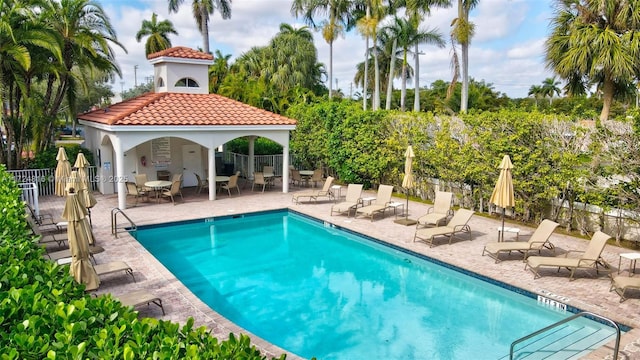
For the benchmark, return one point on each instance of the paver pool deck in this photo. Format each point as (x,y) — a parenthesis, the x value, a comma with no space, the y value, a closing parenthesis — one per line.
(589,292)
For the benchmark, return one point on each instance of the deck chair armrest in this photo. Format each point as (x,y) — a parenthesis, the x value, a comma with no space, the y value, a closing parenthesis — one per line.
(538,243)
(464,227)
(430,210)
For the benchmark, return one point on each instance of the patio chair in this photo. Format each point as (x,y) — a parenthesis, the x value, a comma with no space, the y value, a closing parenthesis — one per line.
(57,236)
(315,194)
(268,170)
(66,253)
(459,223)
(136,193)
(141,179)
(439,212)
(379,205)
(45,221)
(317,177)
(173,192)
(590,259)
(113,267)
(232,183)
(177,177)
(140,297)
(539,240)
(351,200)
(621,283)
(296,178)
(258,179)
(202,184)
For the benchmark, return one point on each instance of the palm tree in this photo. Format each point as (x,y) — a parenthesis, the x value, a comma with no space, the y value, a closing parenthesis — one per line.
(340,19)
(536,92)
(407,35)
(595,41)
(202,9)
(549,88)
(218,71)
(416,10)
(462,31)
(85,34)
(158,33)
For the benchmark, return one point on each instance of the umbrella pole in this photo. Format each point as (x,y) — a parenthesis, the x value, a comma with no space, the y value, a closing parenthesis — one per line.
(501,236)
(406,221)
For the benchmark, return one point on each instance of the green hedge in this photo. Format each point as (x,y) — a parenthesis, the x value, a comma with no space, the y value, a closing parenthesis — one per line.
(44,313)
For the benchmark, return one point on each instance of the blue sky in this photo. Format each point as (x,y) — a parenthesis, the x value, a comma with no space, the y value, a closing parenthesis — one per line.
(506,51)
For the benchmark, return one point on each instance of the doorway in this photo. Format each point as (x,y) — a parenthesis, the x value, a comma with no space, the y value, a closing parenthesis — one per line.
(191,163)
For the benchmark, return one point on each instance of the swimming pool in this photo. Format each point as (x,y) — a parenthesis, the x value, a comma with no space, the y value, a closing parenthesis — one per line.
(316,290)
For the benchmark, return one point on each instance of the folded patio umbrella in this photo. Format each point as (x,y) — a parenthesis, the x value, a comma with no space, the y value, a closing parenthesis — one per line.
(85,187)
(407,183)
(63,170)
(78,229)
(502,195)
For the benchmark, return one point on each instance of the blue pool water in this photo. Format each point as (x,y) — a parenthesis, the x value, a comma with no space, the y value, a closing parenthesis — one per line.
(316,290)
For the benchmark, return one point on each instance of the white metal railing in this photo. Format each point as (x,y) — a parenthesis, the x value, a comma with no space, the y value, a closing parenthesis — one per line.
(30,196)
(241,162)
(45,179)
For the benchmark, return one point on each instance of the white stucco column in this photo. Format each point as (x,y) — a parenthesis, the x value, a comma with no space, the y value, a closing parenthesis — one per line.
(252,140)
(285,169)
(211,172)
(121,186)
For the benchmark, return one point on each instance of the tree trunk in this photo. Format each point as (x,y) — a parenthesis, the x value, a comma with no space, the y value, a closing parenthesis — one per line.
(205,32)
(392,69)
(416,80)
(330,69)
(376,86)
(464,96)
(403,89)
(366,73)
(607,99)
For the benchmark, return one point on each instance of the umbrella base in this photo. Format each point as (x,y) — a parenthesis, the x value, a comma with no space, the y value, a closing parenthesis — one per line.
(405,221)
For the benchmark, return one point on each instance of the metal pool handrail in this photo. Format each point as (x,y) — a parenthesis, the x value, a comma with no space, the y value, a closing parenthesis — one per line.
(114,221)
(570,318)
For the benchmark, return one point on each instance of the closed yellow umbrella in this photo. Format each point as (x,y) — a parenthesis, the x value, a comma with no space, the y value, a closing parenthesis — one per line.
(63,169)
(502,195)
(85,188)
(77,229)
(73,184)
(407,183)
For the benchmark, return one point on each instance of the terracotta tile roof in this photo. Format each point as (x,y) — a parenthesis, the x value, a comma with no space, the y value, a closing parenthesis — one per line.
(183,109)
(182,53)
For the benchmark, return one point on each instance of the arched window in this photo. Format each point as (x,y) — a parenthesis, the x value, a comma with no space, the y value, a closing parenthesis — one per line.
(187,82)
(160,82)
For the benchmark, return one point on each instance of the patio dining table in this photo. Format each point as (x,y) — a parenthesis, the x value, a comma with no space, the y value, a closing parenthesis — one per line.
(157,186)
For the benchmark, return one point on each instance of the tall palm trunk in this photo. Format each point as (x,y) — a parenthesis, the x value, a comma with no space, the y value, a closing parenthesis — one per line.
(330,69)
(416,77)
(392,69)
(608,90)
(376,86)
(205,32)
(366,73)
(403,89)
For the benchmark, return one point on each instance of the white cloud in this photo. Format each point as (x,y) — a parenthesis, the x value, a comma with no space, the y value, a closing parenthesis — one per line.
(502,51)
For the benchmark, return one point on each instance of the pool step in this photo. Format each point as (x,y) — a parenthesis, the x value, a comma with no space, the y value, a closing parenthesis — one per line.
(565,342)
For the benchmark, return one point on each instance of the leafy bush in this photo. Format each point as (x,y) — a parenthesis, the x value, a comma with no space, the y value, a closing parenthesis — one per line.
(44,313)
(261,146)
(47,158)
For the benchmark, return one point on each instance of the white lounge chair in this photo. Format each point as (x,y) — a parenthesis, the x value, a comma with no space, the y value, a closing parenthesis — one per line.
(439,212)
(352,199)
(458,223)
(538,241)
(315,194)
(379,205)
(590,258)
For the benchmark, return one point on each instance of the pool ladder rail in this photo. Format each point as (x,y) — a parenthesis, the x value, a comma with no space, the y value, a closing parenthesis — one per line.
(114,222)
(546,349)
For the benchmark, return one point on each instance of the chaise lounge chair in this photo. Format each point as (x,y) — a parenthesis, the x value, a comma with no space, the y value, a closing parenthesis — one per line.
(140,297)
(112,267)
(63,254)
(315,194)
(380,204)
(439,212)
(590,259)
(351,200)
(55,236)
(458,223)
(621,283)
(538,240)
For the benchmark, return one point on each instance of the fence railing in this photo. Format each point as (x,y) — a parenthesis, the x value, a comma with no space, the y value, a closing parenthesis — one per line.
(45,179)
(241,162)
(30,196)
